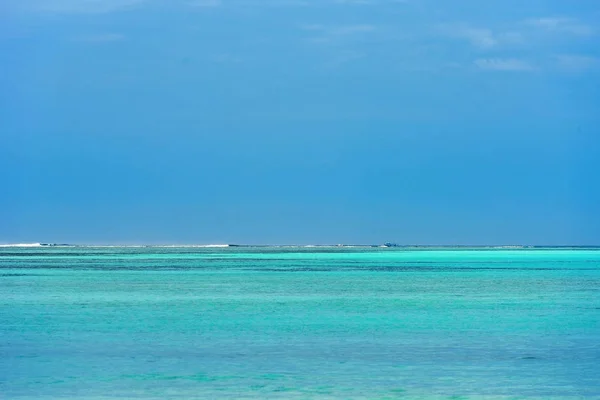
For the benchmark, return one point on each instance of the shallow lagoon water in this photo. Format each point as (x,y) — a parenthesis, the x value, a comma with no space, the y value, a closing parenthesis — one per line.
(356,323)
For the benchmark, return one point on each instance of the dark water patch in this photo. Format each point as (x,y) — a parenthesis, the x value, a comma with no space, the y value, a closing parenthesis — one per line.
(160,377)
(280,389)
(439,269)
(288,269)
(342,268)
(56,254)
(17,275)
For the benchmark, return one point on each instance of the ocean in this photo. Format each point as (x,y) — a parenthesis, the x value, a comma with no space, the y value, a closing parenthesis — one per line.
(299,323)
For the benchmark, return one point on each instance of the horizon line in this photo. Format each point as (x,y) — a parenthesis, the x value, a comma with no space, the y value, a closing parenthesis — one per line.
(228,245)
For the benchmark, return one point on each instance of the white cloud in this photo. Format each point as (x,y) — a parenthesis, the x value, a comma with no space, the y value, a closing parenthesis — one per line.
(562,24)
(504,64)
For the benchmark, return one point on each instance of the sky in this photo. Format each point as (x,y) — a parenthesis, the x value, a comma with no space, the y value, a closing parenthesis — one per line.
(300,121)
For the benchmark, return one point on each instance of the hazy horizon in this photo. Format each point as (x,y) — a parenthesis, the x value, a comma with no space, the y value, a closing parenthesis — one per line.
(308,244)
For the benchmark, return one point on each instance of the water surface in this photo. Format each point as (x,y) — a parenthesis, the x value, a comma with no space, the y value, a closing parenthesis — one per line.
(356,323)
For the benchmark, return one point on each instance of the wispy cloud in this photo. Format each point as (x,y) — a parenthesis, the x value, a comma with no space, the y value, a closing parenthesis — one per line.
(340,42)
(482,38)
(351,29)
(79,6)
(204,3)
(340,30)
(521,33)
(368,2)
(251,3)
(292,3)
(577,62)
(504,64)
(323,33)
(562,25)
(359,2)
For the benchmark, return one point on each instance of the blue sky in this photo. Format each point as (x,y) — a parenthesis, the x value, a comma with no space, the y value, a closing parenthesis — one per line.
(327,121)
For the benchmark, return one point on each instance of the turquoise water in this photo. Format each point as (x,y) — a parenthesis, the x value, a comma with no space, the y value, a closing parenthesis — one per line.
(254,323)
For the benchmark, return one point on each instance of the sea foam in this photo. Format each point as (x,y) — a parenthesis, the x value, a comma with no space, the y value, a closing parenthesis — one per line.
(22,245)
